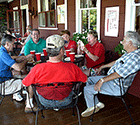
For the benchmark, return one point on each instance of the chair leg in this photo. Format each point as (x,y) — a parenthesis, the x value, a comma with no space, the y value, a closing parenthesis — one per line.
(11,98)
(73,114)
(1,100)
(42,116)
(91,119)
(128,111)
(78,115)
(36,117)
(128,102)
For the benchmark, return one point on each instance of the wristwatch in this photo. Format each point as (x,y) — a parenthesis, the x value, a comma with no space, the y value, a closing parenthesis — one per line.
(87,52)
(102,80)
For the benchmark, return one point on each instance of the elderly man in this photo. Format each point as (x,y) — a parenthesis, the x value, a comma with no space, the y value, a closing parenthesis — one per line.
(94,53)
(6,62)
(125,67)
(35,43)
(54,71)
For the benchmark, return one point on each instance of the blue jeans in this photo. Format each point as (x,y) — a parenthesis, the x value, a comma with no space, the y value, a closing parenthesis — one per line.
(108,88)
(55,103)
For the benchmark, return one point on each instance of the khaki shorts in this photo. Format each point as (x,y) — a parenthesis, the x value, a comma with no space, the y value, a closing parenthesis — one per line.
(11,86)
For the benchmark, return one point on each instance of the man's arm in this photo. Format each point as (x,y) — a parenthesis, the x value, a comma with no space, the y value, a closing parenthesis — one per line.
(105,66)
(110,77)
(19,66)
(93,57)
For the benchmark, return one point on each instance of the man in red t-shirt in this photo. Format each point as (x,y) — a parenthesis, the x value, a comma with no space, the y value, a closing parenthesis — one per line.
(54,71)
(95,52)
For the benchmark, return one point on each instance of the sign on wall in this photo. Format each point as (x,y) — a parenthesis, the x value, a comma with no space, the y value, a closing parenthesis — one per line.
(112,21)
(61,14)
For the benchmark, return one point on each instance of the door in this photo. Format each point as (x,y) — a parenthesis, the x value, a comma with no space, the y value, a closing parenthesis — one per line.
(14,22)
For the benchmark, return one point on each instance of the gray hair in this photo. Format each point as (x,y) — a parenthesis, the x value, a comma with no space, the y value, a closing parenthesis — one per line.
(94,33)
(134,37)
(6,38)
(54,51)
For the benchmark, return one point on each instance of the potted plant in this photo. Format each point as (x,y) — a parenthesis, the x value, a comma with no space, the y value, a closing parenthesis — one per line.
(80,36)
(119,49)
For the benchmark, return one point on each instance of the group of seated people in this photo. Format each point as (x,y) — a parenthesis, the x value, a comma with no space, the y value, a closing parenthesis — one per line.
(55,70)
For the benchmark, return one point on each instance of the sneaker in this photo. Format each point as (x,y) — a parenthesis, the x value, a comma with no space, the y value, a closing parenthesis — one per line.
(89,111)
(17,97)
(24,92)
(30,110)
(56,109)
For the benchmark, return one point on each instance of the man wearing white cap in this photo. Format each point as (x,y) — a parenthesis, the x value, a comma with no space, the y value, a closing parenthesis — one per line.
(54,71)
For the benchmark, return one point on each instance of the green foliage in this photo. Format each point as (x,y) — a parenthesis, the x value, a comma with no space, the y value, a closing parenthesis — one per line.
(119,49)
(80,36)
(3,21)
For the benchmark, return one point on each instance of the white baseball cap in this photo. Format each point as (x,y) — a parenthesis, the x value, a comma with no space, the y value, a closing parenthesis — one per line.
(54,41)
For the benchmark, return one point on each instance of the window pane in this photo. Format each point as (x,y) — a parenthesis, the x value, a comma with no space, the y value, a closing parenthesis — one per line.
(24,2)
(50,21)
(43,5)
(51,4)
(16,21)
(42,19)
(87,3)
(89,18)
(137,1)
(137,20)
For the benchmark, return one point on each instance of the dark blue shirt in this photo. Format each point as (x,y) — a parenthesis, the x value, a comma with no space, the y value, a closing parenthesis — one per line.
(5,63)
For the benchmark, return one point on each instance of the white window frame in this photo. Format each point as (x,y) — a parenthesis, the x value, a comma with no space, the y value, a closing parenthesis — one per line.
(39,10)
(130,12)
(27,15)
(78,16)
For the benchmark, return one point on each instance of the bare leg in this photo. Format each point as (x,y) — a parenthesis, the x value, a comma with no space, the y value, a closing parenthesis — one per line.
(29,99)
(30,92)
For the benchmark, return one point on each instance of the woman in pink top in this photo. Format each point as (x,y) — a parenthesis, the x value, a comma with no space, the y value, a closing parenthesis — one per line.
(69,44)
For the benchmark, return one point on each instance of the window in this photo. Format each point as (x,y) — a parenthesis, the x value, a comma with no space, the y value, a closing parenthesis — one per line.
(87,3)
(88,15)
(89,18)
(24,2)
(132,15)
(137,15)
(47,13)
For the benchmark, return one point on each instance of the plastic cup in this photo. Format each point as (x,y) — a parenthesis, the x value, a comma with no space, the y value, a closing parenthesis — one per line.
(38,56)
(32,52)
(72,56)
(45,52)
(15,40)
(67,53)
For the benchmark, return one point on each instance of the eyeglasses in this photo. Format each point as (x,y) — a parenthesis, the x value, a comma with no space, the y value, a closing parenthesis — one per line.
(35,34)
(65,36)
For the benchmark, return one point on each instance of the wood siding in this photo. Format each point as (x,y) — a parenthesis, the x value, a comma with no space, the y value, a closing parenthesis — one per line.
(111,42)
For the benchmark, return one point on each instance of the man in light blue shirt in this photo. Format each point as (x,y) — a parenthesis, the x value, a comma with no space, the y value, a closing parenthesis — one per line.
(125,67)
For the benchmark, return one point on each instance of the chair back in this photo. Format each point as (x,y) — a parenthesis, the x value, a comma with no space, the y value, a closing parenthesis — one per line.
(76,93)
(75,87)
(135,87)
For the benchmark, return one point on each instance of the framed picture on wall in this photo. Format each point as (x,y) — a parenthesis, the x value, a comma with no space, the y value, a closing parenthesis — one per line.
(112,21)
(61,14)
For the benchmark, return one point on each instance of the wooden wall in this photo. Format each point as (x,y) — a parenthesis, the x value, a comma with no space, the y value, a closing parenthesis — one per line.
(111,42)
(71,19)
